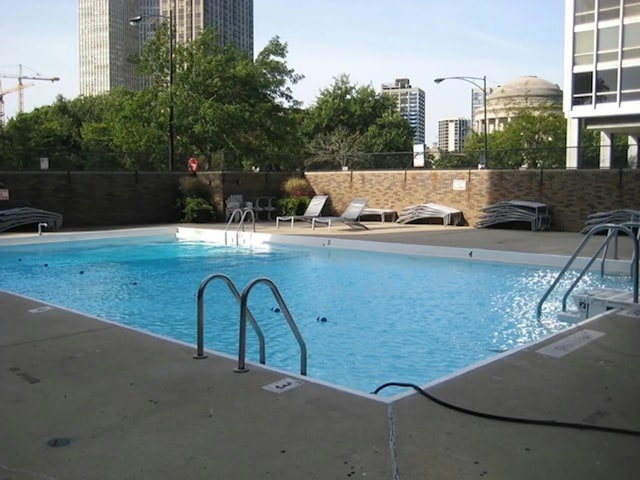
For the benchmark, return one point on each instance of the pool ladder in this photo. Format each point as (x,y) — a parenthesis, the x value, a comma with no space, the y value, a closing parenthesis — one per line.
(612,235)
(241,213)
(247,316)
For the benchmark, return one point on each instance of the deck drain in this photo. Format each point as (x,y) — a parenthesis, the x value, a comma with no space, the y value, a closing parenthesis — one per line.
(58,442)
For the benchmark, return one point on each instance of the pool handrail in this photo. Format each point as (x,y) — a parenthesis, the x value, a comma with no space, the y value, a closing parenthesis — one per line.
(200,325)
(612,232)
(242,212)
(244,314)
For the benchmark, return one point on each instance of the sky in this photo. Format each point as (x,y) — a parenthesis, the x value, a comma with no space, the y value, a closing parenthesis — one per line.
(372,41)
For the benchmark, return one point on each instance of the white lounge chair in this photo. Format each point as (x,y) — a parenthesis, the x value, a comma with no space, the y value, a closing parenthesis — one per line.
(349,217)
(314,209)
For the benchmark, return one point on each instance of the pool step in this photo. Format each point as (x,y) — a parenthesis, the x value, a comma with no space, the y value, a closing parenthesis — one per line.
(598,300)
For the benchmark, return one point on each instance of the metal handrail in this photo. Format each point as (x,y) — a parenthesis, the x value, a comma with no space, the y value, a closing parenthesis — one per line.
(244,313)
(613,230)
(243,213)
(200,326)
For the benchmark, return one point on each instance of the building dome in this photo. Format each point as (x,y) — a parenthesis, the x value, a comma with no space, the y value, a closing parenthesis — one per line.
(506,100)
(525,90)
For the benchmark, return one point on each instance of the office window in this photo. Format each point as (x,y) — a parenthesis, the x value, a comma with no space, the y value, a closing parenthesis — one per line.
(631,41)
(583,48)
(606,86)
(630,84)
(582,88)
(585,11)
(608,9)
(631,8)
(608,44)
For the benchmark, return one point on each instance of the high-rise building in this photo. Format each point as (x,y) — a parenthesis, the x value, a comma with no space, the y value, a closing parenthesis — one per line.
(602,75)
(231,19)
(108,42)
(410,105)
(452,133)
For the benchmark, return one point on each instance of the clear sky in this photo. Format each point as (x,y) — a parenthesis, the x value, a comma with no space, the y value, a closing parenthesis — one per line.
(373,41)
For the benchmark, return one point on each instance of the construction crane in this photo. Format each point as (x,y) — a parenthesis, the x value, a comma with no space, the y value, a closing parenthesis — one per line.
(21,86)
(10,90)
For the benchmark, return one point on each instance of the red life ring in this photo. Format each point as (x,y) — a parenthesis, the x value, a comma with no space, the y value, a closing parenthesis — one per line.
(193,164)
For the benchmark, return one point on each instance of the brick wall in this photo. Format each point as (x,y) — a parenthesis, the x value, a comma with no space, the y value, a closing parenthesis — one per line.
(92,199)
(572,194)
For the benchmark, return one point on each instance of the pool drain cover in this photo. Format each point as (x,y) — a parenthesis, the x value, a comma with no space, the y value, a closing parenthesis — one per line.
(58,442)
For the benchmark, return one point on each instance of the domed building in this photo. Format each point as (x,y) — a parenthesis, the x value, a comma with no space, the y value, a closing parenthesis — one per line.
(505,101)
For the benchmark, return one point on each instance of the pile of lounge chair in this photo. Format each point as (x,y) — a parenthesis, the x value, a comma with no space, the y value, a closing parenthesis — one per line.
(17,217)
(427,212)
(512,213)
(611,216)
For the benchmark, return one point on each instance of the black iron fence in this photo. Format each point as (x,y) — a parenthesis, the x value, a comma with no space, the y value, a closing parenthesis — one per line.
(71,160)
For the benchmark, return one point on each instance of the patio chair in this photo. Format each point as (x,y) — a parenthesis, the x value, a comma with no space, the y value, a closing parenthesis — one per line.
(349,216)
(314,209)
(235,202)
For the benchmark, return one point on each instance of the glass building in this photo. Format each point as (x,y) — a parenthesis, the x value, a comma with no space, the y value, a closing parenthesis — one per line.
(602,75)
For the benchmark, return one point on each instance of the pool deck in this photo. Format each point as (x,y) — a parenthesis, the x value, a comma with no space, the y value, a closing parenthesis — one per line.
(135,406)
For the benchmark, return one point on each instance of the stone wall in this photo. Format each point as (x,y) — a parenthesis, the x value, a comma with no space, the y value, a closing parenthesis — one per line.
(98,199)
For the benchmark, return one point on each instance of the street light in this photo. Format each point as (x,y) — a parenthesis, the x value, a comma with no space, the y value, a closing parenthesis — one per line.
(484,105)
(136,21)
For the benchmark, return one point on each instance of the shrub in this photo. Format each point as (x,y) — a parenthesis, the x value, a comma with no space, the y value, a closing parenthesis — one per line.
(293,205)
(197,210)
(194,201)
(297,187)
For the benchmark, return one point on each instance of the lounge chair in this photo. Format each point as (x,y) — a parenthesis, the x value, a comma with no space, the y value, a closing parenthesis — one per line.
(349,217)
(16,217)
(314,209)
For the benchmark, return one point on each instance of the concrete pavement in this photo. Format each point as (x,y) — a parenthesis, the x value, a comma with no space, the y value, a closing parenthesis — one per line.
(86,399)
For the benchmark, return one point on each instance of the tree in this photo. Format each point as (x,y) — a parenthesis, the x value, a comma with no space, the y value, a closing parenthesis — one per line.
(225,105)
(531,139)
(347,115)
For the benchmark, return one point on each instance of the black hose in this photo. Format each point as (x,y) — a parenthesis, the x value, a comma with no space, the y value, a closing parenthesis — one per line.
(503,418)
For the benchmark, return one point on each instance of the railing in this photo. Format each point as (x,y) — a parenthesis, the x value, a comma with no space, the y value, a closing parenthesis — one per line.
(244,315)
(242,214)
(612,233)
(200,326)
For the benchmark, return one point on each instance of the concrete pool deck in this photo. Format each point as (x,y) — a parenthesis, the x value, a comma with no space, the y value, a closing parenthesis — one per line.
(137,406)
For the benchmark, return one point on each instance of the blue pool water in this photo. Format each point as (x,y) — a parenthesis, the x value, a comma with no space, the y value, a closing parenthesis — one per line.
(389,317)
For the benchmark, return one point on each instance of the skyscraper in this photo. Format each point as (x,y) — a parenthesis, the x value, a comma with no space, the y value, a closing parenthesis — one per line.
(602,76)
(232,20)
(452,133)
(107,40)
(410,105)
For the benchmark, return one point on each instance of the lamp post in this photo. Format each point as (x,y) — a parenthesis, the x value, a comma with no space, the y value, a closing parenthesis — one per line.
(484,106)
(136,21)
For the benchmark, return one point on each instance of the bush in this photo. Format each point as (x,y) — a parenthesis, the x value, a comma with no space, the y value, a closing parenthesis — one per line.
(297,187)
(293,205)
(197,210)
(194,201)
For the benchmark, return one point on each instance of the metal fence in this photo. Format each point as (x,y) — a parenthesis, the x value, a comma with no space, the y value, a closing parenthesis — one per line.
(71,160)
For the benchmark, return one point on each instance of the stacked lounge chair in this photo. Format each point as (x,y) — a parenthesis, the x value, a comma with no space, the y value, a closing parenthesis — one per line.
(611,216)
(513,212)
(17,217)
(426,212)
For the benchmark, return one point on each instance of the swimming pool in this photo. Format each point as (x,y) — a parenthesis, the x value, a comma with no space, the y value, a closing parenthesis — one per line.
(389,317)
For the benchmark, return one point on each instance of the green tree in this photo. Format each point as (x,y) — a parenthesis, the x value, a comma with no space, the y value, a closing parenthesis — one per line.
(226,106)
(530,140)
(348,119)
